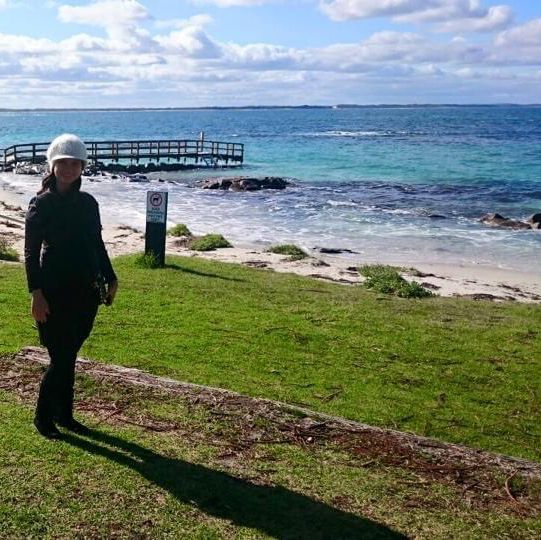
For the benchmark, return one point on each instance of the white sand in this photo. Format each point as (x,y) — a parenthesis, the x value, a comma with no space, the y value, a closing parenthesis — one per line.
(443,279)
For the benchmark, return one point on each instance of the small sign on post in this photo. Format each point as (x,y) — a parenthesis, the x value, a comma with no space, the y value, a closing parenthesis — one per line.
(156,224)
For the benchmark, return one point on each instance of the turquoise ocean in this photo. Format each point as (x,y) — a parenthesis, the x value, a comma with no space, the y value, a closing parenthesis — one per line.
(391,184)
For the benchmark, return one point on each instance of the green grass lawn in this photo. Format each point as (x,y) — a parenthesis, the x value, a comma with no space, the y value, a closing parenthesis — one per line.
(166,467)
(454,369)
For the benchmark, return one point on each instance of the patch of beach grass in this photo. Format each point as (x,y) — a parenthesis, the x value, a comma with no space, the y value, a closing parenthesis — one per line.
(147,261)
(209,242)
(295,253)
(180,229)
(387,279)
(462,371)
(7,253)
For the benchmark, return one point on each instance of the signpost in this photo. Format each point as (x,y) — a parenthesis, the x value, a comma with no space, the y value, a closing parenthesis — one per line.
(156,224)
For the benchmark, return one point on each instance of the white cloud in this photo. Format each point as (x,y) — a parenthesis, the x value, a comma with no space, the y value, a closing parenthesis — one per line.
(341,10)
(400,48)
(120,18)
(196,20)
(520,45)
(143,61)
(451,19)
(450,15)
(188,38)
(21,45)
(262,56)
(232,3)
(191,41)
(526,35)
(84,43)
(105,13)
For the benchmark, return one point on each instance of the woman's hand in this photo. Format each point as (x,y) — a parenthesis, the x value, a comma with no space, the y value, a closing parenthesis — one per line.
(40,306)
(111,292)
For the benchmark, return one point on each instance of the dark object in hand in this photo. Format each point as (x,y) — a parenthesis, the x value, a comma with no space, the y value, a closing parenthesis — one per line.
(101,287)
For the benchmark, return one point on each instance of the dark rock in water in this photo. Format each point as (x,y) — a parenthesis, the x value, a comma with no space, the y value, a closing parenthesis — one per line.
(116,167)
(244,183)
(418,273)
(497,220)
(492,217)
(138,178)
(436,216)
(428,285)
(334,251)
(92,170)
(219,183)
(330,251)
(534,221)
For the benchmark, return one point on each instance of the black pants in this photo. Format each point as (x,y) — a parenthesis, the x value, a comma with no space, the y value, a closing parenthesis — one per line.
(71,317)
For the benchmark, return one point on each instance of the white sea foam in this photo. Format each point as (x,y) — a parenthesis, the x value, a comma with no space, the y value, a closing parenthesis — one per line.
(309,217)
(352,204)
(344,133)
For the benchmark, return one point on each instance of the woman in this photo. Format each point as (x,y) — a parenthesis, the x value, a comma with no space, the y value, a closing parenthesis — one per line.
(66,262)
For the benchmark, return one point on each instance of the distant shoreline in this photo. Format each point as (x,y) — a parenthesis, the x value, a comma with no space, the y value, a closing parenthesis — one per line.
(274,107)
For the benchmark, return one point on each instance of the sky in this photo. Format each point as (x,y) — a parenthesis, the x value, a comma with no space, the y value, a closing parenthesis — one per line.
(195,53)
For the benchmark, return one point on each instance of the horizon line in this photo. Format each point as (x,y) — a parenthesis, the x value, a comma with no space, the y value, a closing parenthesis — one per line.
(241,107)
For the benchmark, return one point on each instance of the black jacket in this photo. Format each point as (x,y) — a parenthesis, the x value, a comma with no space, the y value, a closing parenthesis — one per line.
(68,228)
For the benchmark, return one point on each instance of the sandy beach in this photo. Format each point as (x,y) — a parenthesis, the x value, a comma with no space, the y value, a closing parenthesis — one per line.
(477,282)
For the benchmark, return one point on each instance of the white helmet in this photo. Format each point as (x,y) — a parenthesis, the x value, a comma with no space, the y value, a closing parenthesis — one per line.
(66,146)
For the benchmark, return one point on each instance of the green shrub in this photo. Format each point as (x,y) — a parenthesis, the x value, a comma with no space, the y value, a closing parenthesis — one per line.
(7,253)
(209,242)
(295,253)
(179,230)
(147,260)
(387,280)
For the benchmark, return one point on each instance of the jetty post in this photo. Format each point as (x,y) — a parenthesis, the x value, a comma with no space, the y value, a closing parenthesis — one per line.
(156,225)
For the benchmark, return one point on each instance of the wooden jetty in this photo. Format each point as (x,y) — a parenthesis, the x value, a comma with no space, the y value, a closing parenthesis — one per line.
(195,152)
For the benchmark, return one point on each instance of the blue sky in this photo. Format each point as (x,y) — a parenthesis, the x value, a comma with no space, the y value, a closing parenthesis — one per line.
(128,53)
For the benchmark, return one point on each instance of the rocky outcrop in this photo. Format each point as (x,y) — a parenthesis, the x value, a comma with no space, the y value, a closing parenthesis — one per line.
(534,221)
(95,169)
(245,183)
(497,220)
(30,168)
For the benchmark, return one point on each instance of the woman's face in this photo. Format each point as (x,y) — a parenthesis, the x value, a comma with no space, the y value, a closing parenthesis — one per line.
(66,172)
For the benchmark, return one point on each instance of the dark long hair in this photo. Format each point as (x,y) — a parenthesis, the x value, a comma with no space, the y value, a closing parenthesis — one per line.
(49,184)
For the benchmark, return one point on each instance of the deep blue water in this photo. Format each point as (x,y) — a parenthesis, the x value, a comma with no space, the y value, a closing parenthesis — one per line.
(400,183)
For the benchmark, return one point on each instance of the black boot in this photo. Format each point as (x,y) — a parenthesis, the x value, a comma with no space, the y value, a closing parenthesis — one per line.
(46,428)
(43,419)
(65,411)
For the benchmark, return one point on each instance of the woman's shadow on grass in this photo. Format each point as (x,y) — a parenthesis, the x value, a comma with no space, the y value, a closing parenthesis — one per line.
(172,266)
(272,510)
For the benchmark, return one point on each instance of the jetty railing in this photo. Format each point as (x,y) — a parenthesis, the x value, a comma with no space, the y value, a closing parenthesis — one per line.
(200,151)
